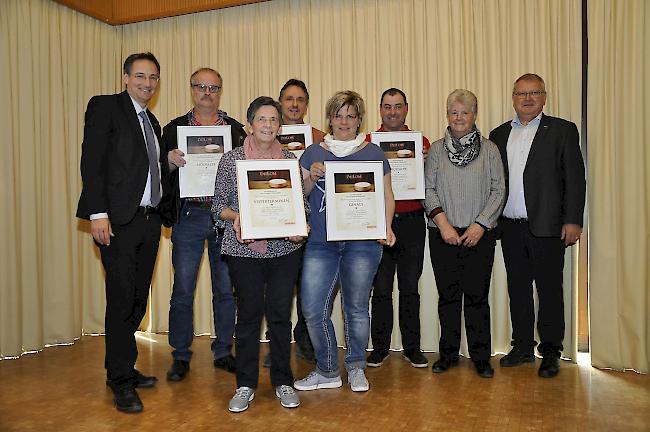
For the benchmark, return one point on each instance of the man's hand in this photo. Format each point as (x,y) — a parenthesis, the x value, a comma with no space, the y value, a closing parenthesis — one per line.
(175,159)
(571,234)
(101,231)
(472,235)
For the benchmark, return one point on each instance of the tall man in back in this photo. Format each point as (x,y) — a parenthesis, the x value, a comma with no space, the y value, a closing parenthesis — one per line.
(194,227)
(406,257)
(123,173)
(545,175)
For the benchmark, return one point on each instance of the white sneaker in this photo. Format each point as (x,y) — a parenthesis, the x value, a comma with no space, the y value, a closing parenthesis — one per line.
(288,397)
(315,381)
(240,400)
(357,380)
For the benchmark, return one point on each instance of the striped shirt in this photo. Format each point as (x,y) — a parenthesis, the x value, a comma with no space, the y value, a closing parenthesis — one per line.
(473,193)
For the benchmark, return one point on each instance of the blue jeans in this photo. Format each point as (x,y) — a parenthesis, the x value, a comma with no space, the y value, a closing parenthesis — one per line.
(353,264)
(188,237)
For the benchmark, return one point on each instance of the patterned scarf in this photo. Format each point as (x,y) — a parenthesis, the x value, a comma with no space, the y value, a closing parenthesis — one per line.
(253,152)
(464,150)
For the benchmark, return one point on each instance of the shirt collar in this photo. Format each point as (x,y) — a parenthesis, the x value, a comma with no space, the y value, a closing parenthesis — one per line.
(383,129)
(138,108)
(517,123)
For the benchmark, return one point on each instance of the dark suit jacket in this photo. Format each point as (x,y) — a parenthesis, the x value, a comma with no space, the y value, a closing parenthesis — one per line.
(554,176)
(114,162)
(173,202)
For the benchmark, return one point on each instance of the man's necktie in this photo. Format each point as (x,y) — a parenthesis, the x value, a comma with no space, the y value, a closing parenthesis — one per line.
(153,159)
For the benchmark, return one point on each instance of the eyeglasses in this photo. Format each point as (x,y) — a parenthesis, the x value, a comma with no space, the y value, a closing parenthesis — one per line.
(212,88)
(536,93)
(143,77)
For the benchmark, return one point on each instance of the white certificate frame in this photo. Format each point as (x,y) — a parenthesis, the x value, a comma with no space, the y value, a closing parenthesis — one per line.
(354,200)
(271,203)
(403,150)
(197,177)
(297,133)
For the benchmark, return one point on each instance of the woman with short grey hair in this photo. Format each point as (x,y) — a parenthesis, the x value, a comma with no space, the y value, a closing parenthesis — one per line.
(465,192)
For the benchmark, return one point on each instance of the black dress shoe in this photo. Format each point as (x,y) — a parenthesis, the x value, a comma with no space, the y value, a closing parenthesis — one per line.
(550,366)
(517,357)
(444,364)
(178,371)
(484,369)
(127,400)
(226,363)
(141,381)
(144,381)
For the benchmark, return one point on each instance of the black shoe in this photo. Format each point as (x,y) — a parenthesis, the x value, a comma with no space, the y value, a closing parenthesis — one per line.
(416,359)
(550,366)
(376,359)
(226,363)
(305,352)
(178,371)
(484,369)
(141,381)
(127,400)
(517,357)
(267,361)
(444,364)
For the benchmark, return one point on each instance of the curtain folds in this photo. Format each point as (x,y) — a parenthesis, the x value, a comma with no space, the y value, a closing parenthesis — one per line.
(55,60)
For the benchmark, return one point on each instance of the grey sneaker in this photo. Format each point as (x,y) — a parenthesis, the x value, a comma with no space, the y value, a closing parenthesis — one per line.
(288,397)
(357,380)
(315,381)
(240,400)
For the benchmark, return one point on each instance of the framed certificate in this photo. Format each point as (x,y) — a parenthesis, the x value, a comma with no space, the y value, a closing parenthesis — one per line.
(404,153)
(203,147)
(354,200)
(295,138)
(271,201)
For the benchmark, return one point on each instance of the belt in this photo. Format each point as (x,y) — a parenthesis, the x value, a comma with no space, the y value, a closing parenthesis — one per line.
(200,204)
(147,211)
(515,221)
(409,215)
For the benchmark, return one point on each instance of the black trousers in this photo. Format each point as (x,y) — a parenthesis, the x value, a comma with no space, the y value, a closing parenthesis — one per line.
(300,333)
(463,276)
(264,287)
(406,257)
(540,259)
(128,262)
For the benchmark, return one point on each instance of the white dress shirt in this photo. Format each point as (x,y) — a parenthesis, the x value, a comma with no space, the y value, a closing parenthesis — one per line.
(519,142)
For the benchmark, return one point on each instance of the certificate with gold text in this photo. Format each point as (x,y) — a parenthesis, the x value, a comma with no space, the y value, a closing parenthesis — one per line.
(354,199)
(295,138)
(404,153)
(271,201)
(203,147)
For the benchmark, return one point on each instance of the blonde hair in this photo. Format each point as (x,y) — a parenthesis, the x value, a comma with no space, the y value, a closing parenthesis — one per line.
(341,99)
(465,97)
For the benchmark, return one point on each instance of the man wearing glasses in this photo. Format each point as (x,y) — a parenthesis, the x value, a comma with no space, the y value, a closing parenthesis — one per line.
(123,173)
(192,228)
(545,175)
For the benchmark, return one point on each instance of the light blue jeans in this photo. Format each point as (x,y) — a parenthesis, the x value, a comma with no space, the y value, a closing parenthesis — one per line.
(353,264)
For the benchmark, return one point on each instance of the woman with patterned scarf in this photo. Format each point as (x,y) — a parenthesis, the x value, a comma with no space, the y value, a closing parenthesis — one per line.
(465,192)
(263,272)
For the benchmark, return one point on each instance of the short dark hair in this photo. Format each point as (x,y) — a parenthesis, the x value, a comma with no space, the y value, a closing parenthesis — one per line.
(128,63)
(297,83)
(529,77)
(258,103)
(392,91)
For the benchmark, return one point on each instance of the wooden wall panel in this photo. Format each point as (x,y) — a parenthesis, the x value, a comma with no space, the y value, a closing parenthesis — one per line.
(116,12)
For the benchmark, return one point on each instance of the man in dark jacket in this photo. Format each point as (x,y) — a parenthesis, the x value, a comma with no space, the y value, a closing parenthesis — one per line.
(193,226)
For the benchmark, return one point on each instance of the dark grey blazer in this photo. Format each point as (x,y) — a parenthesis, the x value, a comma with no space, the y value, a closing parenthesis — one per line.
(554,176)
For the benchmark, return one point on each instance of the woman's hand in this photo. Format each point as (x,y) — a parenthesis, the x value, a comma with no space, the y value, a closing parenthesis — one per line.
(390,238)
(316,171)
(295,239)
(175,159)
(236,226)
(472,235)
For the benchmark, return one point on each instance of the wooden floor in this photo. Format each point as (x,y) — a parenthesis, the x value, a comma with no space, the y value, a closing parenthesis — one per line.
(63,389)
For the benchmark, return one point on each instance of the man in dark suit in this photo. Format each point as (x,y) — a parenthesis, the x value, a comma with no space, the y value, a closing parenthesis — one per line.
(121,168)
(193,226)
(545,175)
